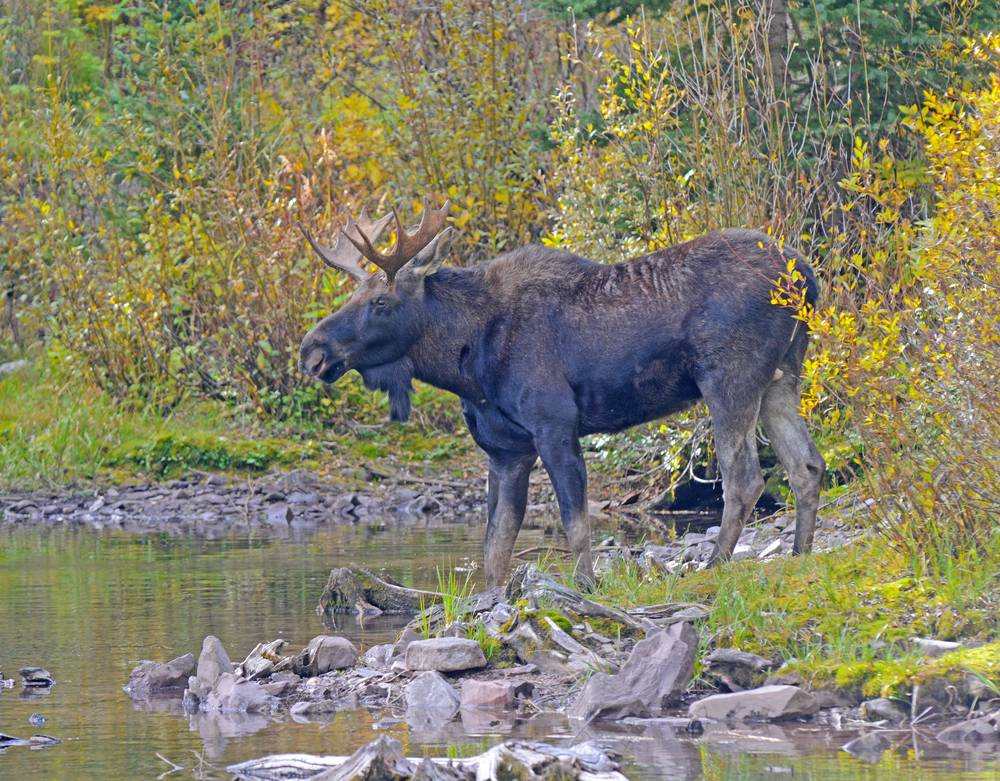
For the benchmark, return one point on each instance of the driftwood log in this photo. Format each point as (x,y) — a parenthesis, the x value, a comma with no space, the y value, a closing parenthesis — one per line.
(383,760)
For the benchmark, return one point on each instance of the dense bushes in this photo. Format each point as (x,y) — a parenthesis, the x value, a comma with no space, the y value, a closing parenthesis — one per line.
(156,158)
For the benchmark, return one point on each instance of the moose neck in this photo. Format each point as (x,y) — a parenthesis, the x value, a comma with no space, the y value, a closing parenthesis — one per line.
(455,315)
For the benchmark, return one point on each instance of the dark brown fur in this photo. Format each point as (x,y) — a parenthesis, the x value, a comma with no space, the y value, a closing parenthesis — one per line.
(544,347)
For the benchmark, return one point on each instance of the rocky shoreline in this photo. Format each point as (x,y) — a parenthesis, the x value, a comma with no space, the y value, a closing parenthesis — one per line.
(538,647)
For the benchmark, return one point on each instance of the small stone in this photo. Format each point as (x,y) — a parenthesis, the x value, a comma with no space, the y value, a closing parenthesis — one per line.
(329,652)
(654,676)
(36,677)
(927,646)
(444,654)
(984,730)
(152,679)
(314,708)
(868,747)
(36,719)
(430,698)
(487,694)
(213,662)
(883,709)
(378,657)
(234,695)
(768,703)
(738,670)
(407,636)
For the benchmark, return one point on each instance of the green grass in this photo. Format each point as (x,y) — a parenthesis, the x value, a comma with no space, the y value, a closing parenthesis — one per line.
(843,617)
(55,428)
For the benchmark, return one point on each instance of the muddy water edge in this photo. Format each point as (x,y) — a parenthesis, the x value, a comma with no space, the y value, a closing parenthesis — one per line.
(88,600)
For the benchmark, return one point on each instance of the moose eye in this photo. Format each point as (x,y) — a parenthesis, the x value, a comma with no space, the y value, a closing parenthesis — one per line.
(380,304)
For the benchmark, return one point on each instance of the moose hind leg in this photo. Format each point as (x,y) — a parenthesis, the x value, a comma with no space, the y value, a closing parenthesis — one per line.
(507,499)
(796,451)
(742,481)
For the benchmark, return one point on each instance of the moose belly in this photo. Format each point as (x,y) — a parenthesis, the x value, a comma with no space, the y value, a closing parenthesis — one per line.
(652,390)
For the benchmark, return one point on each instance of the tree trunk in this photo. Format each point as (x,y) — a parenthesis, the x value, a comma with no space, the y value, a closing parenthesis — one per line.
(776,12)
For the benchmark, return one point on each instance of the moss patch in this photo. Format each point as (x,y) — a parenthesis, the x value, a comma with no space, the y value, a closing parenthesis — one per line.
(173,453)
(844,617)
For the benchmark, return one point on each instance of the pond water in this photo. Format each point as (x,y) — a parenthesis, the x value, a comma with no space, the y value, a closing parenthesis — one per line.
(88,607)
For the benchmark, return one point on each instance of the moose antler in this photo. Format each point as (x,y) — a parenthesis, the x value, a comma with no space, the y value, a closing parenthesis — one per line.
(342,255)
(408,245)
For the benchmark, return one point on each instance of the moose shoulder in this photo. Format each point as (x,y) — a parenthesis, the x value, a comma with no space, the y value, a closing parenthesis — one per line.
(544,347)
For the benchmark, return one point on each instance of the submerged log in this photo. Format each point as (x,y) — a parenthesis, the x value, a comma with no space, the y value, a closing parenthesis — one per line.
(383,759)
(352,589)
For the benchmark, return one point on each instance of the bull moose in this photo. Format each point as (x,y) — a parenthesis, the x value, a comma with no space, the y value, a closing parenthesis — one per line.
(544,347)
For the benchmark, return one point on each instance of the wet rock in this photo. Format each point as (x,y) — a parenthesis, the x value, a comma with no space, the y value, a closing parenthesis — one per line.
(235,695)
(883,709)
(982,731)
(152,679)
(487,694)
(378,657)
(407,636)
(655,675)
(430,698)
(383,759)
(927,646)
(868,747)
(737,670)
(212,662)
(263,660)
(36,677)
(768,703)
(329,652)
(313,708)
(444,654)
(525,642)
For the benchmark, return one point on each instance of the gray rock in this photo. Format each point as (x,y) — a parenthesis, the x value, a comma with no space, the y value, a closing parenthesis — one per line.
(212,662)
(378,657)
(12,366)
(868,747)
(654,676)
(525,642)
(487,694)
(407,636)
(430,698)
(927,646)
(151,679)
(984,730)
(738,670)
(768,703)
(444,654)
(234,695)
(313,708)
(329,652)
(36,677)
(883,709)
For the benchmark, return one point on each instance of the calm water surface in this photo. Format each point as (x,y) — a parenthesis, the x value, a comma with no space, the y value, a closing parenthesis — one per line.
(88,607)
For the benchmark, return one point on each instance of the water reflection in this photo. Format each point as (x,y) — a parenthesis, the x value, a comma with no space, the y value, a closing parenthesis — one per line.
(89,606)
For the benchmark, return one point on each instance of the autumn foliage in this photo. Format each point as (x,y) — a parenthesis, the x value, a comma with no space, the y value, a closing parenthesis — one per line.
(156,157)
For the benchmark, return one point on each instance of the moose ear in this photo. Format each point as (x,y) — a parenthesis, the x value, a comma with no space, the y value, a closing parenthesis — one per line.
(430,258)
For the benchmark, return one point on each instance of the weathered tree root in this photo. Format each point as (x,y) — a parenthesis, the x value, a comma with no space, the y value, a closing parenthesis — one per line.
(352,589)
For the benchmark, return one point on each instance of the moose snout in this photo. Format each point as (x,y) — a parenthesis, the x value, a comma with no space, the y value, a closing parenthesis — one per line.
(320,361)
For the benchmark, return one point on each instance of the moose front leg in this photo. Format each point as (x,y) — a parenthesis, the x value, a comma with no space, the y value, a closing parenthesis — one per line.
(507,498)
(563,459)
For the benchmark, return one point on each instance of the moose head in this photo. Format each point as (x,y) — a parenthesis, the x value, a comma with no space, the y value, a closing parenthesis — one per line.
(385,315)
